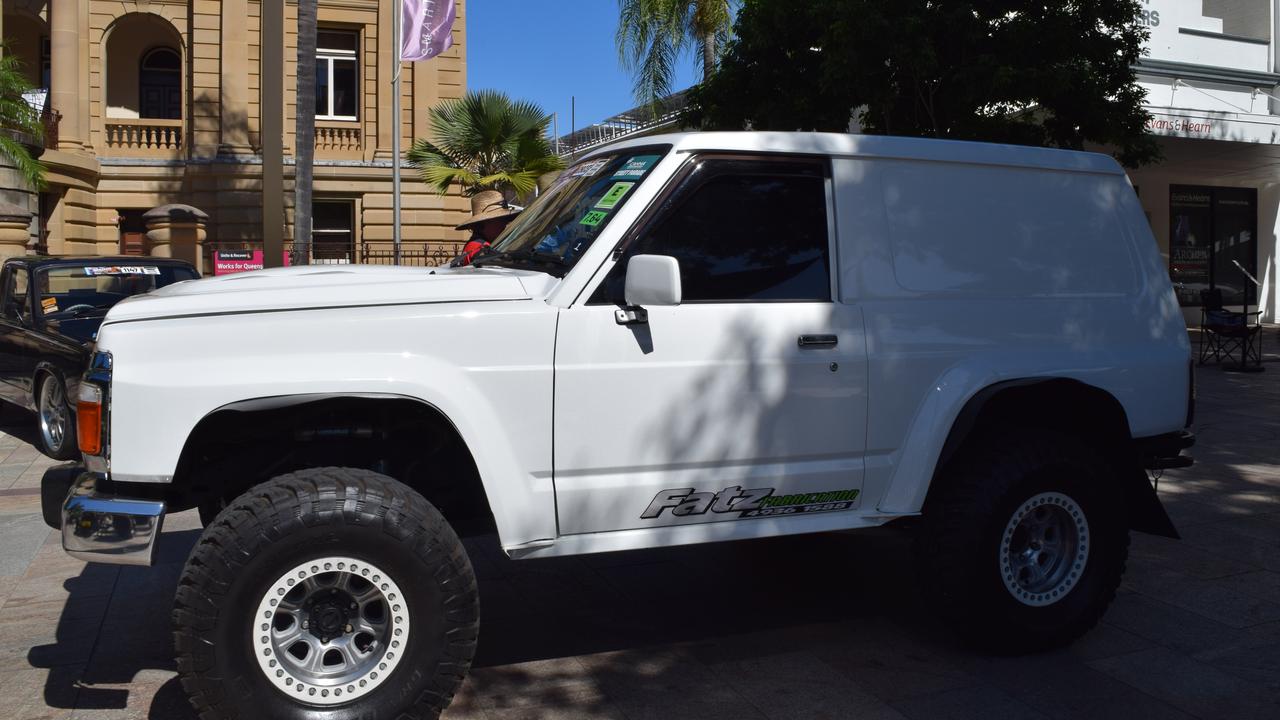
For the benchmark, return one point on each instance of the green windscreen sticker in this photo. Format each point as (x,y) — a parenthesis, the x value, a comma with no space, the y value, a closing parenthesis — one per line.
(615,195)
(637,166)
(593,218)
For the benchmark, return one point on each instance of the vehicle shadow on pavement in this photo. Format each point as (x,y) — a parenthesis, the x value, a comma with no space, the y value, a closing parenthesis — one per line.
(537,616)
(644,631)
(20,423)
(113,644)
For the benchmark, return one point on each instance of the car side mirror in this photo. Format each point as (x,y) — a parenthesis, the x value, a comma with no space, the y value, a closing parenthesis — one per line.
(652,281)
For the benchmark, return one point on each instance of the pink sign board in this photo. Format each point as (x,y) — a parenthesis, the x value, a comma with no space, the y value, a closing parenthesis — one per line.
(226,262)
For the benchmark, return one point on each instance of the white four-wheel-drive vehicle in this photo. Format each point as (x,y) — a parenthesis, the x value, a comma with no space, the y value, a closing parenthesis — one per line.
(688,339)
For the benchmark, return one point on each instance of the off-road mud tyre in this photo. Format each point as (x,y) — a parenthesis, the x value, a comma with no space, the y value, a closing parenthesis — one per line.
(968,518)
(289,525)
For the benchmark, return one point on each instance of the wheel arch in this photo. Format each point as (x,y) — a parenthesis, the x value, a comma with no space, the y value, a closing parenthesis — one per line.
(44,370)
(1088,408)
(1066,405)
(370,419)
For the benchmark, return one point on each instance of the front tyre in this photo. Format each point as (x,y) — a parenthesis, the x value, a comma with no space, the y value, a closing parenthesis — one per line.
(1024,541)
(330,593)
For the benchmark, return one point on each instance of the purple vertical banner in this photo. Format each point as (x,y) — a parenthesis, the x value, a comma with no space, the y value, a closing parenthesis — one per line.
(426,28)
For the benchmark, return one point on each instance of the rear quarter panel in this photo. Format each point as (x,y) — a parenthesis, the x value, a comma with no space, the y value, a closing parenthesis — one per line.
(970,275)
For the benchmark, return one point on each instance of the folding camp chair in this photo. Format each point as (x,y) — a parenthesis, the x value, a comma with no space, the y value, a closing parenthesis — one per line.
(1226,332)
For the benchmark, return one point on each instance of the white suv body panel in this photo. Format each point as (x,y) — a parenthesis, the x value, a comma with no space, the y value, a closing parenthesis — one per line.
(485,365)
(508,361)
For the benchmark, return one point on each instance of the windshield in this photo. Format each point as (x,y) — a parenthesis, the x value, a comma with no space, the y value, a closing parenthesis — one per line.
(75,290)
(555,231)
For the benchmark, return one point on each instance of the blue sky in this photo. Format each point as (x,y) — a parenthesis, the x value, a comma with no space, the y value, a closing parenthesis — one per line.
(550,50)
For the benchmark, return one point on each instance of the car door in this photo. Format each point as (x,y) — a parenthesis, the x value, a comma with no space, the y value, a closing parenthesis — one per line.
(15,318)
(746,401)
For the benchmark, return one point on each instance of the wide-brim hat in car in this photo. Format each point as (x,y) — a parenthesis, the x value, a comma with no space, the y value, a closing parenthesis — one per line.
(488,205)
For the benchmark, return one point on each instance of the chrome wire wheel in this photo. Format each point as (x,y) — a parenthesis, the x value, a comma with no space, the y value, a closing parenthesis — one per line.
(1044,549)
(330,630)
(53,414)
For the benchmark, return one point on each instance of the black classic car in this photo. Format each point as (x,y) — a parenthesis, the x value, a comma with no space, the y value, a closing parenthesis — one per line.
(50,311)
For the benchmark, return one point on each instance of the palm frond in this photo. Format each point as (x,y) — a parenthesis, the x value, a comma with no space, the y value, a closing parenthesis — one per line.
(656,73)
(16,115)
(522,182)
(482,140)
(32,170)
(443,177)
(653,35)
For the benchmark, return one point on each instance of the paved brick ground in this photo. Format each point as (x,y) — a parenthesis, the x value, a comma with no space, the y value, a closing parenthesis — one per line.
(815,627)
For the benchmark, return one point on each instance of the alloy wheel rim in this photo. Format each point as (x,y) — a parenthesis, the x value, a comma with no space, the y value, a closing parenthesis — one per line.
(53,414)
(1044,549)
(330,630)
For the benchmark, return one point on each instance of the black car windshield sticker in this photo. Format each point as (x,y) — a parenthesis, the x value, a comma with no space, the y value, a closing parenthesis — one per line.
(757,502)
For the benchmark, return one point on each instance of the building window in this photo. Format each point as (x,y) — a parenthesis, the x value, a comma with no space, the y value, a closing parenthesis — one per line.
(1209,228)
(332,232)
(160,85)
(337,76)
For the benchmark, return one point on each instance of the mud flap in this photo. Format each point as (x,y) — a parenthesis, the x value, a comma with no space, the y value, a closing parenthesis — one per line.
(1146,512)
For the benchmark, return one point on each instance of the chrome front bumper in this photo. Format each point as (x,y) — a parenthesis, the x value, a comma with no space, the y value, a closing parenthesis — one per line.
(99,527)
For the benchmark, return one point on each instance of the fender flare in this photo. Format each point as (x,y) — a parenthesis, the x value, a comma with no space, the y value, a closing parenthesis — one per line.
(277,402)
(1145,512)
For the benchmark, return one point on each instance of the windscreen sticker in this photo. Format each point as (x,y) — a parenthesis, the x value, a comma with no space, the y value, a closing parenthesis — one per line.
(758,502)
(49,305)
(593,218)
(587,169)
(122,270)
(637,166)
(615,195)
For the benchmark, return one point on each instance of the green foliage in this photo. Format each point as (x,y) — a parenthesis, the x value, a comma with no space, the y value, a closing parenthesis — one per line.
(653,34)
(485,141)
(1015,71)
(17,116)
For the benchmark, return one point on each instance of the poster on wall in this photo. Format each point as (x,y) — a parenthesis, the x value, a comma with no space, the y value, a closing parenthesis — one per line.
(1209,227)
(1190,219)
(226,262)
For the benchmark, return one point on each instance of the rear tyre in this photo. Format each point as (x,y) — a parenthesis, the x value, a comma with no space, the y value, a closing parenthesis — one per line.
(326,594)
(1024,542)
(57,420)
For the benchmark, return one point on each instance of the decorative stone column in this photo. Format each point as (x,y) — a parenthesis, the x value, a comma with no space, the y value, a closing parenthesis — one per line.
(177,231)
(15,224)
(234,100)
(64,93)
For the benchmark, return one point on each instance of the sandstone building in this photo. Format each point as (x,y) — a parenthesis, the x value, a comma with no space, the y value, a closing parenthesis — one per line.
(156,102)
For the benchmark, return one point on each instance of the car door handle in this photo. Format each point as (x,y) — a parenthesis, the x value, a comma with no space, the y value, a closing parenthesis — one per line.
(818,341)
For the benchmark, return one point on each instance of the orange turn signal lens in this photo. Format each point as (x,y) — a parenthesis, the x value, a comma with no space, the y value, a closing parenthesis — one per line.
(89,419)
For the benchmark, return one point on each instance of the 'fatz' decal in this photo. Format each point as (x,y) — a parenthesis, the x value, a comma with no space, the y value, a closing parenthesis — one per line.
(757,502)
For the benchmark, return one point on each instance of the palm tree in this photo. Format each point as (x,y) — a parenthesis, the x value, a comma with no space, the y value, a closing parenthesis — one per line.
(19,122)
(653,34)
(304,131)
(485,141)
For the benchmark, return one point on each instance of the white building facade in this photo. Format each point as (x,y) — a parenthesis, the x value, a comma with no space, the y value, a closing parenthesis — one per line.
(1211,77)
